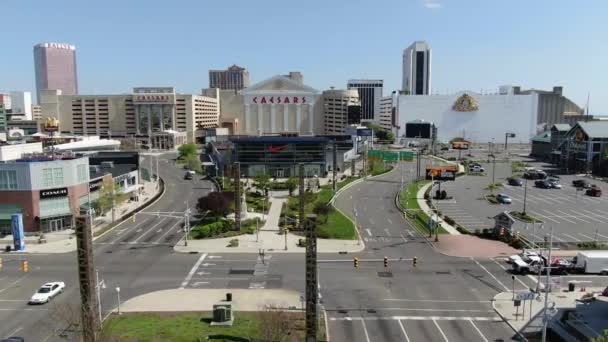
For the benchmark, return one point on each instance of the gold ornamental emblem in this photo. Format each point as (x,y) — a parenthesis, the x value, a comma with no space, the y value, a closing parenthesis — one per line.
(465,103)
(51,124)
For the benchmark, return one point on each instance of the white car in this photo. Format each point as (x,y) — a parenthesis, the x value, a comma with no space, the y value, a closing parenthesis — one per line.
(524,256)
(46,292)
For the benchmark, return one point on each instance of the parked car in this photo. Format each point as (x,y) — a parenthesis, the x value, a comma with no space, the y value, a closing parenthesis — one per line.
(594,191)
(543,184)
(476,168)
(535,174)
(13,339)
(474,165)
(503,198)
(515,182)
(580,183)
(525,256)
(47,292)
(188,176)
(554,183)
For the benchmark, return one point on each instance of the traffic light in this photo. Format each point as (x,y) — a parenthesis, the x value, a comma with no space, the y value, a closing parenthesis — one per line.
(385,262)
(414,261)
(356,262)
(24,266)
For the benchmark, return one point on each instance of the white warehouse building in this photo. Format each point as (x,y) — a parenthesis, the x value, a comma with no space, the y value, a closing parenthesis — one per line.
(476,117)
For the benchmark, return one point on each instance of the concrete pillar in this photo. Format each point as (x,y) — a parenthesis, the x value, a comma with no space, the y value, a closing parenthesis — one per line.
(285,118)
(273,125)
(298,117)
(247,119)
(260,119)
(311,118)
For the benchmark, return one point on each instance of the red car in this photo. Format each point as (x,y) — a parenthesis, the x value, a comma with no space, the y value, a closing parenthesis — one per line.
(594,191)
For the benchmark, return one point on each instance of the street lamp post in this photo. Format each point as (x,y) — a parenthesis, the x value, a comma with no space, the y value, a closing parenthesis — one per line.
(513,279)
(98,286)
(118,298)
(493,173)
(525,195)
(547,288)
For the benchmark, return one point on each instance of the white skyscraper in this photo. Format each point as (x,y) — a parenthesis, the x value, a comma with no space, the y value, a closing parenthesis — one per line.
(417,69)
(21,102)
(370,92)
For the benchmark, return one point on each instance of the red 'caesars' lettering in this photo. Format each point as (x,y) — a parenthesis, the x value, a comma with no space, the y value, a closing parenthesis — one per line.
(303,99)
(278,99)
(263,99)
(295,99)
(286,100)
(255,99)
(271,99)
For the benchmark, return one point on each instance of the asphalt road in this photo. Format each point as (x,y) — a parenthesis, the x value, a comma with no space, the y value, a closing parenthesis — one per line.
(137,257)
(442,299)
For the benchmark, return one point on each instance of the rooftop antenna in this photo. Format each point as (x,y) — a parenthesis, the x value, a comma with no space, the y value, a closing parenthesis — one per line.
(587,106)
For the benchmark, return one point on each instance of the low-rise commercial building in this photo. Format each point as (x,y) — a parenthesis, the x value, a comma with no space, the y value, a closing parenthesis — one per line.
(585,148)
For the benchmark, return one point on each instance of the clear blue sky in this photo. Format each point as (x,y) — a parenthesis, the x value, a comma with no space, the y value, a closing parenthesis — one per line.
(477,44)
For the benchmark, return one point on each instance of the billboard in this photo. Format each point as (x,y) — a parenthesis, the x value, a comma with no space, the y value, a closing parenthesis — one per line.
(460,145)
(17,230)
(421,130)
(441,173)
(364,132)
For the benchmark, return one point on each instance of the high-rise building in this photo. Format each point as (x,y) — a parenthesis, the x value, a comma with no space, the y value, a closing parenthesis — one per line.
(370,92)
(417,69)
(296,76)
(2,118)
(388,118)
(341,108)
(55,65)
(21,103)
(235,77)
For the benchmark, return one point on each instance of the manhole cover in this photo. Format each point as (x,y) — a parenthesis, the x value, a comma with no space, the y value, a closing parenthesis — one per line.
(385,274)
(241,271)
(443,272)
(371,311)
(343,311)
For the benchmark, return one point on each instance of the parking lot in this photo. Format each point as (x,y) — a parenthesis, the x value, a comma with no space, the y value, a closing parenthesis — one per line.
(574,216)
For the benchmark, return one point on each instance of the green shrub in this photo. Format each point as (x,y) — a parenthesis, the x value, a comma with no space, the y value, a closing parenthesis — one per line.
(449,220)
(321,208)
(233,243)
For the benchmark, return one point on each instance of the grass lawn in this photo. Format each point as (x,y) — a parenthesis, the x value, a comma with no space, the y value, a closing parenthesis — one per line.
(377,168)
(409,199)
(195,326)
(337,226)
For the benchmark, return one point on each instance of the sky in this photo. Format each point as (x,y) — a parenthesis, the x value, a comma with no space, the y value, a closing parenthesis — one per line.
(477,45)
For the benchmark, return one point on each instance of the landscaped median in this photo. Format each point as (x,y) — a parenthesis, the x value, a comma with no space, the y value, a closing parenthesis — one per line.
(408,199)
(331,223)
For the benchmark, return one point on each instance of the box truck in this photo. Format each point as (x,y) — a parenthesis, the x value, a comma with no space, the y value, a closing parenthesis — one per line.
(591,262)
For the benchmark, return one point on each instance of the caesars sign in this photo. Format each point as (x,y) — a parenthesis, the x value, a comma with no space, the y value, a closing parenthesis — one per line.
(442,173)
(280,99)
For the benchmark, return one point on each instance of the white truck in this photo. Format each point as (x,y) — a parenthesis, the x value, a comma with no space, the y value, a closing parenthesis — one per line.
(533,265)
(591,262)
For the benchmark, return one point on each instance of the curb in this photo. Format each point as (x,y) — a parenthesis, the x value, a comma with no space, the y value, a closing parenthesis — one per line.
(522,337)
(441,220)
(137,210)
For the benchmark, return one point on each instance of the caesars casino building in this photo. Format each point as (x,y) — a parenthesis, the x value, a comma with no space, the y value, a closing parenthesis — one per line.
(281,104)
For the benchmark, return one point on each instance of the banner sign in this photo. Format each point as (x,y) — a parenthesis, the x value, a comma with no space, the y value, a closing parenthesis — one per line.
(364,132)
(460,145)
(442,173)
(17,229)
(406,155)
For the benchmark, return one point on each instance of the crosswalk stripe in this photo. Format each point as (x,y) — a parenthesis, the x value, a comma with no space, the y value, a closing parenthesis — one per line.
(418,318)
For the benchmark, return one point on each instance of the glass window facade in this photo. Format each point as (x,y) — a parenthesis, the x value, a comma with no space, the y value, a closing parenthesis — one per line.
(8,180)
(47,177)
(55,207)
(57,176)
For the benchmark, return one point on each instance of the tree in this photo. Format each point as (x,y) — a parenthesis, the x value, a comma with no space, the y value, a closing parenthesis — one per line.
(602,338)
(217,203)
(194,164)
(262,182)
(292,184)
(382,134)
(108,194)
(187,150)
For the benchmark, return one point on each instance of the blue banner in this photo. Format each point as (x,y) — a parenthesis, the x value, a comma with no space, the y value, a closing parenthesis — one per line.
(18,236)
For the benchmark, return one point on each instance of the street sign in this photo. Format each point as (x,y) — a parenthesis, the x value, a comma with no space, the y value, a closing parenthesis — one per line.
(406,155)
(517,302)
(442,173)
(525,296)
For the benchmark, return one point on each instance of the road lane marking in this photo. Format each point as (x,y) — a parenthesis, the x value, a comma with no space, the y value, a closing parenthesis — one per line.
(369,232)
(477,329)
(561,217)
(389,220)
(419,318)
(441,331)
(403,330)
(491,275)
(586,236)
(516,278)
(365,330)
(433,310)
(168,231)
(13,283)
(403,237)
(543,216)
(151,229)
(144,221)
(573,216)
(15,331)
(572,237)
(191,273)
(437,300)
(387,232)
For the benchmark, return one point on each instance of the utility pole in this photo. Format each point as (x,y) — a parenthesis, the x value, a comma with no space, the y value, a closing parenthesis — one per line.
(493,172)
(334,167)
(301,196)
(525,194)
(237,196)
(187,224)
(547,285)
(311,279)
(87,281)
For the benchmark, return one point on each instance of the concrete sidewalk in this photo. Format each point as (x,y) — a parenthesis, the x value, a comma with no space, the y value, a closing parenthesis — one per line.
(65,241)
(203,299)
(427,210)
(529,318)
(271,241)
(274,215)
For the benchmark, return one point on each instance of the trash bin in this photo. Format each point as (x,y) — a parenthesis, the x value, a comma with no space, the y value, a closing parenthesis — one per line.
(571,287)
(229,297)
(7,248)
